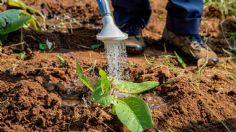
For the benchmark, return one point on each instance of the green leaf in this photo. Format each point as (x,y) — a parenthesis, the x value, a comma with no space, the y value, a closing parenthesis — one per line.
(105,83)
(3,38)
(28,11)
(113,110)
(21,55)
(134,113)
(42,46)
(12,20)
(97,84)
(231,33)
(180,60)
(61,59)
(96,46)
(35,23)
(135,88)
(16,3)
(205,1)
(98,97)
(82,77)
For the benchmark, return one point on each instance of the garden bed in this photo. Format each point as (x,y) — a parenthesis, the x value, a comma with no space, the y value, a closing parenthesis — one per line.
(39,93)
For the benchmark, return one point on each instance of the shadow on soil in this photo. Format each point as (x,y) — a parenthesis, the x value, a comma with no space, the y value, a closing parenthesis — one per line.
(78,39)
(81,39)
(67,40)
(63,41)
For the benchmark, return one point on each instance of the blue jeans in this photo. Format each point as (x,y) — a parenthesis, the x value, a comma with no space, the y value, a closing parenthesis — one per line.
(183,18)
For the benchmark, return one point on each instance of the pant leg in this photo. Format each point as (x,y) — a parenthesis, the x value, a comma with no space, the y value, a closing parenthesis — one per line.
(184,16)
(126,10)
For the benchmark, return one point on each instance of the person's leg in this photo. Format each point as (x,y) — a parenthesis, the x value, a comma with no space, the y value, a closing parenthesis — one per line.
(184,16)
(126,10)
(182,30)
(131,16)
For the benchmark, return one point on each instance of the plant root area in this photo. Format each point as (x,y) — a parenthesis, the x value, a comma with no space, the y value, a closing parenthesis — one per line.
(40,93)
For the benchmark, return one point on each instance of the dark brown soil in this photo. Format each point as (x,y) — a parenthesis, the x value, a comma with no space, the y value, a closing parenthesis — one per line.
(40,94)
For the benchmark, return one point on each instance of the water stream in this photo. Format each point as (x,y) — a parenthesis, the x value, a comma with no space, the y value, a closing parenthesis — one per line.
(117,59)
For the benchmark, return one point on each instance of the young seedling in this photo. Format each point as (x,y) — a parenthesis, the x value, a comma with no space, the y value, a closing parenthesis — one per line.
(133,112)
(61,59)
(180,60)
(150,60)
(21,55)
(167,62)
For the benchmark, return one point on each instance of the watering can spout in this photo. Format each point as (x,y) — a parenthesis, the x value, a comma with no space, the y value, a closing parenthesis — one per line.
(110,32)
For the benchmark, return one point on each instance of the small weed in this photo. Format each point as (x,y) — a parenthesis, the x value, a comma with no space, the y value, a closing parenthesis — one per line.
(226,7)
(96,46)
(61,59)
(150,60)
(171,130)
(167,61)
(92,68)
(180,60)
(21,55)
(172,67)
(231,34)
(232,55)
